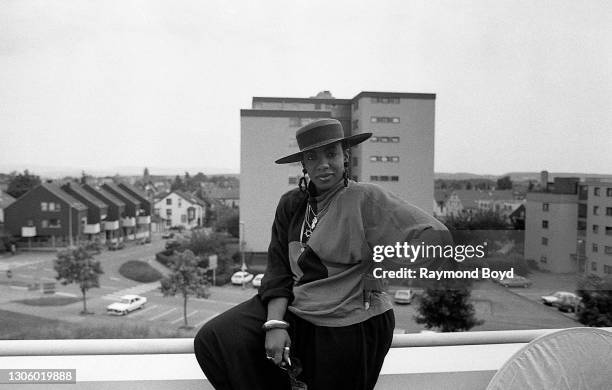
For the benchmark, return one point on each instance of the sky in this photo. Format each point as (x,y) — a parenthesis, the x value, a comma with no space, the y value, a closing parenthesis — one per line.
(122,84)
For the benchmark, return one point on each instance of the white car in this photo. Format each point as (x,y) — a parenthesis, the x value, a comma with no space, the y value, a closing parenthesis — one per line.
(241,277)
(257,280)
(403,296)
(554,298)
(126,304)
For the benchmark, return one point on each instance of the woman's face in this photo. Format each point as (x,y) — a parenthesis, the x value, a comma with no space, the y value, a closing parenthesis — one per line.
(325,165)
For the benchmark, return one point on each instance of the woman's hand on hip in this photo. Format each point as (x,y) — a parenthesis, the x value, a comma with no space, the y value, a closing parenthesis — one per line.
(276,341)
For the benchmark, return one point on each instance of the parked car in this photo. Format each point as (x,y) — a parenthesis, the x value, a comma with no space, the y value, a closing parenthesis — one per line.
(553,298)
(241,277)
(144,241)
(257,280)
(569,303)
(403,296)
(126,304)
(115,246)
(517,281)
(168,235)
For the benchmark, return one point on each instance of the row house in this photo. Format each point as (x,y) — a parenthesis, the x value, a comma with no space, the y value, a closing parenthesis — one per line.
(5,201)
(179,208)
(459,202)
(116,211)
(132,209)
(97,210)
(47,215)
(143,219)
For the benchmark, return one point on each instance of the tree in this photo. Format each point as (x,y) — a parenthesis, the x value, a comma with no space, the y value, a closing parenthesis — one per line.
(19,184)
(229,221)
(77,266)
(187,279)
(468,185)
(596,302)
(504,183)
(177,184)
(447,308)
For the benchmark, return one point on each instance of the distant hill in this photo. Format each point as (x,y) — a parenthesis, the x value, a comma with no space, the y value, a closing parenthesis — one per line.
(517,176)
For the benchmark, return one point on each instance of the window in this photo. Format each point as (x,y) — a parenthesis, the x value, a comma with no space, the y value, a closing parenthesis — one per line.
(58,207)
(595,248)
(373,178)
(596,191)
(385,100)
(545,206)
(608,230)
(608,191)
(317,106)
(608,250)
(55,223)
(544,224)
(609,211)
(293,180)
(393,158)
(51,206)
(607,269)
(384,178)
(595,210)
(595,229)
(394,178)
(44,223)
(156,212)
(44,206)
(374,158)
(395,139)
(544,241)
(374,139)
(543,259)
(593,266)
(169,202)
(295,122)
(168,213)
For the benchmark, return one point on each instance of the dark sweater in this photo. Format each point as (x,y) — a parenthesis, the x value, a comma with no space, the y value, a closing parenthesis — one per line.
(326,277)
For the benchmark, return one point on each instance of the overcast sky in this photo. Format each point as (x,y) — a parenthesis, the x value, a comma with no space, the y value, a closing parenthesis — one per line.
(521,85)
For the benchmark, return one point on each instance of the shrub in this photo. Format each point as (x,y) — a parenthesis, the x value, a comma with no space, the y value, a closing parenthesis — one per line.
(139,271)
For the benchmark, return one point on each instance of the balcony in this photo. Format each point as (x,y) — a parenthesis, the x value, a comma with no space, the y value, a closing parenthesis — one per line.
(92,228)
(128,222)
(143,219)
(28,231)
(111,225)
(466,360)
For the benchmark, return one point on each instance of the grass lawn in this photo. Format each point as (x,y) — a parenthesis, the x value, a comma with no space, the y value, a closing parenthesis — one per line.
(17,326)
(139,271)
(49,301)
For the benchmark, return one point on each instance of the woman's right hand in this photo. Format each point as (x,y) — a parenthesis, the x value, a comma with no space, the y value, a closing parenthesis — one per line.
(276,341)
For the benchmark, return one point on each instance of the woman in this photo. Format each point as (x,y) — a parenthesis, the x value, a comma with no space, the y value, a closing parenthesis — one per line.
(318,303)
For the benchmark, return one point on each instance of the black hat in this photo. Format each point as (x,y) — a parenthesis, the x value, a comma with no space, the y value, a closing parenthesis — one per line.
(320,133)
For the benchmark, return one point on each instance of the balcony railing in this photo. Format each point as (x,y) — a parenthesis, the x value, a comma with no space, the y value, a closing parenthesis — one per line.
(465,360)
(93,228)
(111,225)
(143,220)
(128,222)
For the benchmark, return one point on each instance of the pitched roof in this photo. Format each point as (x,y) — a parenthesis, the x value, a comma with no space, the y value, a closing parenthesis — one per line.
(107,196)
(5,199)
(79,190)
(189,197)
(223,193)
(130,189)
(114,187)
(57,191)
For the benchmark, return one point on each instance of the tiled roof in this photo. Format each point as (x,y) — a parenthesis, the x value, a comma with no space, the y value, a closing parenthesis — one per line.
(133,190)
(107,195)
(190,198)
(81,191)
(57,191)
(121,191)
(5,199)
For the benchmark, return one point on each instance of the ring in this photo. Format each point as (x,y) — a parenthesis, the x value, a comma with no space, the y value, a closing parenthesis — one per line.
(270,357)
(286,348)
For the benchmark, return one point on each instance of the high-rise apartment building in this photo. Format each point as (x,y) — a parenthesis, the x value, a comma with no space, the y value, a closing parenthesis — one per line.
(399,156)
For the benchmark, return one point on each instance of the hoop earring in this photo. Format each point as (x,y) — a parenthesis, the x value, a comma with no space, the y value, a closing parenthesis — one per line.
(303,181)
(345,174)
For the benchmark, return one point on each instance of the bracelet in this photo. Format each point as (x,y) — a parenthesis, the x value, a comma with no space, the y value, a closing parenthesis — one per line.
(275,324)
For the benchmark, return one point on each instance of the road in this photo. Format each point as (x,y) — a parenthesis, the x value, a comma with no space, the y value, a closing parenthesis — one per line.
(499,307)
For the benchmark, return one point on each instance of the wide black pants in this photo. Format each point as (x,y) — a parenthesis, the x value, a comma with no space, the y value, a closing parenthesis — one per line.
(230,350)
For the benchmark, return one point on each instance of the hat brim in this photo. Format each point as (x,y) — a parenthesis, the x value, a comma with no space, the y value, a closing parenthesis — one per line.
(350,141)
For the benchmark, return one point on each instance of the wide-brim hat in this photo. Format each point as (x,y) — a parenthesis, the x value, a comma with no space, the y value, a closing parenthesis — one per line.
(320,133)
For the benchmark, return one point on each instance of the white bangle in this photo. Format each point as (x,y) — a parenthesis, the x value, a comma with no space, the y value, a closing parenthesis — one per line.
(275,324)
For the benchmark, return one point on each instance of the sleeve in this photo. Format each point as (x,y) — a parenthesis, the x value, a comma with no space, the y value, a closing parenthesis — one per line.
(278,278)
(390,220)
